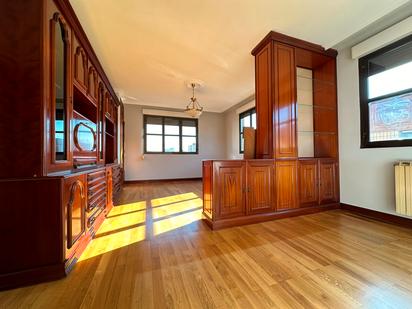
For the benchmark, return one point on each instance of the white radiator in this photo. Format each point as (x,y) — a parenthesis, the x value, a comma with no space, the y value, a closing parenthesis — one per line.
(403,187)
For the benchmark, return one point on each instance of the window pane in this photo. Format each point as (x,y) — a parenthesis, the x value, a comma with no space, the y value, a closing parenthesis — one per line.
(59,126)
(390,81)
(245,122)
(254,120)
(188,144)
(390,71)
(189,131)
(172,144)
(172,130)
(242,143)
(154,143)
(154,128)
(391,119)
(189,123)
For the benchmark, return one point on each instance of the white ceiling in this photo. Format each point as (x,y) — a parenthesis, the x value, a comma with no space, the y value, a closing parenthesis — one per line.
(150,49)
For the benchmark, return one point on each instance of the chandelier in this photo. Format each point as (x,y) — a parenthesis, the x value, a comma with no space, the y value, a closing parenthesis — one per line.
(193,109)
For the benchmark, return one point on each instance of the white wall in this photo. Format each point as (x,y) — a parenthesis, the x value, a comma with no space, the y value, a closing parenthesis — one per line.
(153,166)
(366,175)
(232,135)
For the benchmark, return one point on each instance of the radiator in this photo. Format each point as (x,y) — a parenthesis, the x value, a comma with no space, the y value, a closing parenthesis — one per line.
(403,187)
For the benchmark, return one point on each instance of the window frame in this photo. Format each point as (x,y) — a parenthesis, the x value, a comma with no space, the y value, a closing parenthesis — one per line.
(243,115)
(180,120)
(364,100)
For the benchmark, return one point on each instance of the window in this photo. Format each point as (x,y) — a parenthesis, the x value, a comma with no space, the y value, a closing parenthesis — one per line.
(386,96)
(170,135)
(246,119)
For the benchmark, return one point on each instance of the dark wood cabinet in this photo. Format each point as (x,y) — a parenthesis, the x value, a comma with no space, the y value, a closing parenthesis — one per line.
(260,189)
(308,182)
(56,125)
(286,185)
(230,186)
(327,181)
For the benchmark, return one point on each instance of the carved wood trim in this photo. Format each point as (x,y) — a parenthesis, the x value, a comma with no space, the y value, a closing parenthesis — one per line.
(80,53)
(67,10)
(76,140)
(92,81)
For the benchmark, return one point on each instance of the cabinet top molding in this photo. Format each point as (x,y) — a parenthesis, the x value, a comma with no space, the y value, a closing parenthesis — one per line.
(283,38)
(70,16)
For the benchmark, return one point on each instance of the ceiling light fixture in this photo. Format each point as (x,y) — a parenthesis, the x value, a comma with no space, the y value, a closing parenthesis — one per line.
(193,109)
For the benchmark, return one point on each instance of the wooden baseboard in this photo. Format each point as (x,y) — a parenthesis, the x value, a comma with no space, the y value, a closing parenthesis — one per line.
(379,216)
(32,276)
(130,182)
(251,219)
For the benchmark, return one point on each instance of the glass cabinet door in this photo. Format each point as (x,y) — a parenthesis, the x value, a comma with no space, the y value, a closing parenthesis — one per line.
(101,121)
(59,39)
(76,206)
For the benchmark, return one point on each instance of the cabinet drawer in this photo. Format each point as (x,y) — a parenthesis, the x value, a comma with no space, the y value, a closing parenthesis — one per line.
(93,217)
(91,177)
(98,200)
(96,187)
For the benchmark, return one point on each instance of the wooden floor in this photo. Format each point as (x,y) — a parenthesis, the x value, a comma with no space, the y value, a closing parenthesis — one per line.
(154,251)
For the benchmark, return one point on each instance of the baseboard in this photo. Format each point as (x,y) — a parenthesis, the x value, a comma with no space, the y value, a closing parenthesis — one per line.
(32,276)
(257,218)
(130,182)
(379,216)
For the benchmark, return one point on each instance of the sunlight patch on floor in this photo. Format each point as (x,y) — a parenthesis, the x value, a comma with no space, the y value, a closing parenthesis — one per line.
(176,208)
(114,241)
(173,199)
(175,222)
(126,208)
(121,222)
(127,224)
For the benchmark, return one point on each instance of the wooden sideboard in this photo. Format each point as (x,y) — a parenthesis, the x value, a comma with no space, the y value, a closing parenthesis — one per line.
(280,182)
(239,192)
(61,149)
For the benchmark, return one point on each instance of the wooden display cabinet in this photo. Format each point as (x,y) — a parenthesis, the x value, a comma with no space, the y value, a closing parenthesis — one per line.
(56,136)
(280,183)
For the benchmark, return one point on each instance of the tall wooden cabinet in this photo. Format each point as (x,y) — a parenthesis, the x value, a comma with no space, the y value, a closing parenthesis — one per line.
(59,141)
(296,167)
(293,100)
